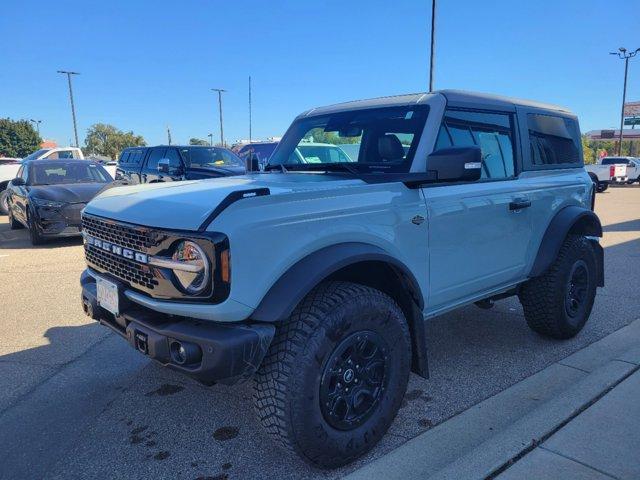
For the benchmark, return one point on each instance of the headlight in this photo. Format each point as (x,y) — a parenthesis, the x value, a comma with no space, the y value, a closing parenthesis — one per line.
(191,267)
(41,202)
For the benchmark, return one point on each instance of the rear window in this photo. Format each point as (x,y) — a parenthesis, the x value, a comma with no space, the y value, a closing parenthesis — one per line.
(553,140)
(613,161)
(133,157)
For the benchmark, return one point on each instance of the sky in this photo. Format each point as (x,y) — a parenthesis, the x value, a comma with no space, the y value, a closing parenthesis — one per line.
(148,64)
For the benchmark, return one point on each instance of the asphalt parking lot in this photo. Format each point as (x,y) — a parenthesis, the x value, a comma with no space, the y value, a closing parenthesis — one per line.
(77,402)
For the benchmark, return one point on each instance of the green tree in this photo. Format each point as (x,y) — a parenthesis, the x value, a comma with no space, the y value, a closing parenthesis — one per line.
(589,152)
(197,141)
(108,140)
(18,138)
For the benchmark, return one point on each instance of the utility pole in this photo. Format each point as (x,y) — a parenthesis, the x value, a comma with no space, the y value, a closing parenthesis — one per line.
(433,43)
(210,135)
(73,108)
(168,134)
(249,108)
(625,55)
(37,124)
(220,92)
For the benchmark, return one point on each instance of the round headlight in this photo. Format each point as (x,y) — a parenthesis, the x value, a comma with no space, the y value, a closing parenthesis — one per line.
(194,276)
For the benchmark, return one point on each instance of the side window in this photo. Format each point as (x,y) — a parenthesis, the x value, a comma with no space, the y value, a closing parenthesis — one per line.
(65,154)
(492,132)
(22,173)
(174,158)
(124,157)
(553,140)
(156,155)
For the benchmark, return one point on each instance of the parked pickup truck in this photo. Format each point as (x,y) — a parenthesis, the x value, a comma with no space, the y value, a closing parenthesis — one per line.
(169,163)
(602,175)
(315,278)
(9,171)
(627,168)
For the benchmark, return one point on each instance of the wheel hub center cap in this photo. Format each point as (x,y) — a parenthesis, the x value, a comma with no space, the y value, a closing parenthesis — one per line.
(348,376)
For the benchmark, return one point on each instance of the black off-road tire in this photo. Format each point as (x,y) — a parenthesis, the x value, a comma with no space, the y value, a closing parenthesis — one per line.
(303,357)
(548,301)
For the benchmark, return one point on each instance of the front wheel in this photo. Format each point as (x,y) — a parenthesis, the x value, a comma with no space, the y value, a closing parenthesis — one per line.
(4,202)
(34,233)
(335,374)
(558,303)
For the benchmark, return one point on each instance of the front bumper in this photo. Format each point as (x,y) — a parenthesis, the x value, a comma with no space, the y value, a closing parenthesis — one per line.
(218,352)
(60,222)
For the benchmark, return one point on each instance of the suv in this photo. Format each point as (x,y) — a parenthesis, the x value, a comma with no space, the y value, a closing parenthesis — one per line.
(167,163)
(315,278)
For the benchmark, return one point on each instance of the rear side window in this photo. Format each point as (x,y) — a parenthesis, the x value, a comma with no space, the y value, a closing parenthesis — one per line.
(124,157)
(553,140)
(492,132)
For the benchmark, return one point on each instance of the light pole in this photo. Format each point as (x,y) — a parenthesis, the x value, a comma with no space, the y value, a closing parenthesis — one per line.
(625,55)
(220,92)
(250,109)
(37,124)
(433,43)
(73,108)
(210,135)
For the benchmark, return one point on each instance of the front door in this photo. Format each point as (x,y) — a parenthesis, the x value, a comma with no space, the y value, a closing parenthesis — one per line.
(479,232)
(149,172)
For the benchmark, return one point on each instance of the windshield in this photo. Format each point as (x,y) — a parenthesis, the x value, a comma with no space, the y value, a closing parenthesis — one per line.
(378,139)
(261,150)
(36,154)
(56,173)
(210,157)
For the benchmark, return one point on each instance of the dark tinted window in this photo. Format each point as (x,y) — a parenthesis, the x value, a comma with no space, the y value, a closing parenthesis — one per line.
(553,140)
(124,157)
(492,132)
(174,158)
(261,150)
(614,160)
(155,156)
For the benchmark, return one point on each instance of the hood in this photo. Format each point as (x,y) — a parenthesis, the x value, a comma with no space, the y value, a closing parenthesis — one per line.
(186,205)
(71,193)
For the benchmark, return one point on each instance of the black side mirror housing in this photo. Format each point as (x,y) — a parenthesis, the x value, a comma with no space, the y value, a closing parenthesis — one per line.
(456,164)
(252,163)
(18,182)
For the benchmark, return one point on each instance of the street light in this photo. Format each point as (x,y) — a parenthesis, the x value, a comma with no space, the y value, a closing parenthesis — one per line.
(73,108)
(433,44)
(37,124)
(210,135)
(624,54)
(220,92)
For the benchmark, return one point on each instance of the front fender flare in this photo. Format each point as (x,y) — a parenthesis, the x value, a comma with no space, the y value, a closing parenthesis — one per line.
(303,276)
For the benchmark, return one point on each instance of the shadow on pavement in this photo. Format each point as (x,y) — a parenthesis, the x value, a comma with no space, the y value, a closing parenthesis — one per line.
(628,226)
(19,239)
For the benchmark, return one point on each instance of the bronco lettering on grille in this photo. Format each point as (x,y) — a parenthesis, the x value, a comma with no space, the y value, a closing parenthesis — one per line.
(116,249)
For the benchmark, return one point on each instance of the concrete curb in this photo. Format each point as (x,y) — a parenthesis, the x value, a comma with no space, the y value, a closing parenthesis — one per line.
(485,439)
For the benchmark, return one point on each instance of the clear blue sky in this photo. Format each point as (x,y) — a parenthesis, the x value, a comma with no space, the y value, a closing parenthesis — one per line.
(148,64)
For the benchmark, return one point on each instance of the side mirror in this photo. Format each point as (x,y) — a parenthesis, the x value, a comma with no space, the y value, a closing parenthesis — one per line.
(252,163)
(163,165)
(18,182)
(457,164)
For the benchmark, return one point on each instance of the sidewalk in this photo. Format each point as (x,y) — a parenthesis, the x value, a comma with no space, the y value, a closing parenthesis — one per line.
(579,418)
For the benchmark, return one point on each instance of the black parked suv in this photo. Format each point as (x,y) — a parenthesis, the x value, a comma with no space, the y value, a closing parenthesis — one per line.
(168,163)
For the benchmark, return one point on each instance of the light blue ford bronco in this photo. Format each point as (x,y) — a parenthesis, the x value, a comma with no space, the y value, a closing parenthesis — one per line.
(315,276)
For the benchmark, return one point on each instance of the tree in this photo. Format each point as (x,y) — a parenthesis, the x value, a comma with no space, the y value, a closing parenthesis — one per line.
(589,153)
(197,141)
(18,138)
(108,140)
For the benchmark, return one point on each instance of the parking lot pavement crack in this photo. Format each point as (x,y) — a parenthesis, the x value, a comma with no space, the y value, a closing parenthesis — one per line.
(571,366)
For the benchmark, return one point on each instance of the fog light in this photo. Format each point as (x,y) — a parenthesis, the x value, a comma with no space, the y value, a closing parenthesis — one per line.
(185,353)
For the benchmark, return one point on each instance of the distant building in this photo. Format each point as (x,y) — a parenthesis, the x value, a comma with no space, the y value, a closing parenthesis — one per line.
(627,134)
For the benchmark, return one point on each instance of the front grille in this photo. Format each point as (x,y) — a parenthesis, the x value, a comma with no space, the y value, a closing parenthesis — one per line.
(120,267)
(135,238)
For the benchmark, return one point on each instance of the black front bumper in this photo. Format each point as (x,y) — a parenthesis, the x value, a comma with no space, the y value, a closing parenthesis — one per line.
(220,352)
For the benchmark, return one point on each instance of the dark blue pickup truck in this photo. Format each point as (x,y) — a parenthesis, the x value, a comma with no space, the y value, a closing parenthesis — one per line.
(170,163)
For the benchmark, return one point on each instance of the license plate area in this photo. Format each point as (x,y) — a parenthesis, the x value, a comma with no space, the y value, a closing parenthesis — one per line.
(107,295)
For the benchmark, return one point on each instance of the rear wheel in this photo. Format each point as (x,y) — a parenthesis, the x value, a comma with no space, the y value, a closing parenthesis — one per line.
(335,374)
(558,303)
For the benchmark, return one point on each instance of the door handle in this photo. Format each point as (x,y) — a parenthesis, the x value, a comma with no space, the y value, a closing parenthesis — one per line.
(519,204)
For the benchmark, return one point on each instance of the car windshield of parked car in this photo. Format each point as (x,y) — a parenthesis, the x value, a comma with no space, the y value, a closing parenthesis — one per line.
(56,173)
(36,154)
(210,157)
(369,140)
(261,150)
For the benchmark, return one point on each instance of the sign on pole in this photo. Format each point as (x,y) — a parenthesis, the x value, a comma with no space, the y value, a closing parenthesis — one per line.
(632,109)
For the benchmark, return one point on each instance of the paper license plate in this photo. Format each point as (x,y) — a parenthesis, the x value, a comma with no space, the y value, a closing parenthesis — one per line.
(107,293)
